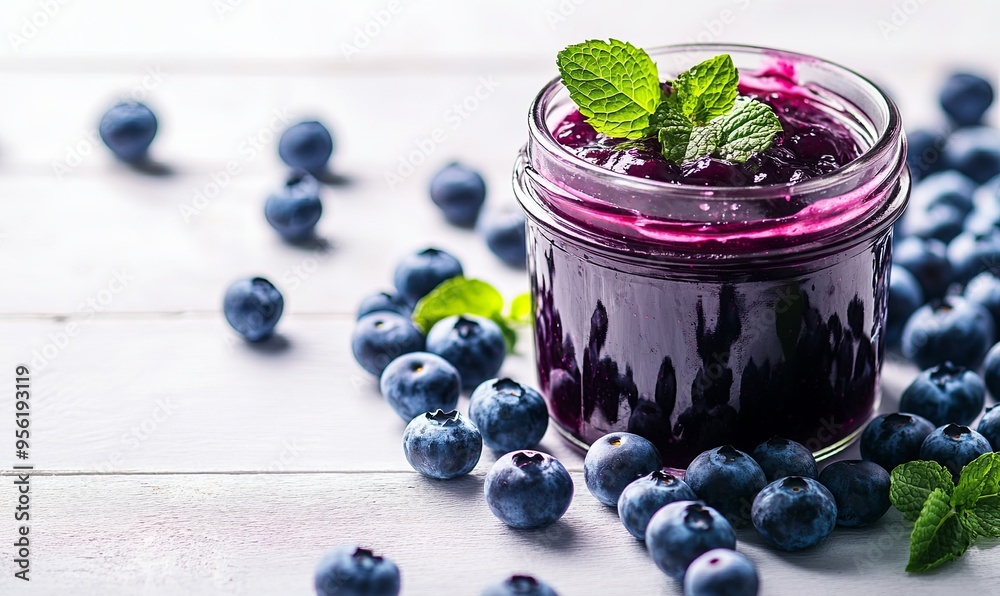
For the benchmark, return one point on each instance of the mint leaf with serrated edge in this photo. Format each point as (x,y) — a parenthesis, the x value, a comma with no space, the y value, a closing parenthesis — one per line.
(912,482)
(463,296)
(674,135)
(978,494)
(708,89)
(938,534)
(748,129)
(614,84)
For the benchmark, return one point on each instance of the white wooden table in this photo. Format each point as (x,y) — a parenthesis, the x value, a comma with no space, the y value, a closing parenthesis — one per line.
(172,458)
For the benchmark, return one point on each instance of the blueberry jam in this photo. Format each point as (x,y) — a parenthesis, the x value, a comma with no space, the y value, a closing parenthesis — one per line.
(717,303)
(812,143)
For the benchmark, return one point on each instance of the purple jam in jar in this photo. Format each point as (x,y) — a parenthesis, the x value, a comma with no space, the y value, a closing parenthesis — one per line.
(716,303)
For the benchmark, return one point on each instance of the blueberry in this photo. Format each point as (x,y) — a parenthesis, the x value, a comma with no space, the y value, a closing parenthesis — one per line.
(905,297)
(965,97)
(381,337)
(938,221)
(973,251)
(252,307)
(860,489)
(505,236)
(951,329)
(984,290)
(893,439)
(294,209)
(989,427)
(953,446)
(510,415)
(779,457)
(974,152)
(384,301)
(353,571)
(945,188)
(794,513)
(728,480)
(924,152)
(417,274)
(991,372)
(528,489)
(945,393)
(721,572)
(647,495)
(986,214)
(459,191)
(442,445)
(474,345)
(128,129)
(615,460)
(927,260)
(683,531)
(520,585)
(419,382)
(306,145)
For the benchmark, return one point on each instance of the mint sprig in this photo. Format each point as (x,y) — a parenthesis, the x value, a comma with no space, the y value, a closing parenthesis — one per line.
(616,87)
(947,518)
(462,296)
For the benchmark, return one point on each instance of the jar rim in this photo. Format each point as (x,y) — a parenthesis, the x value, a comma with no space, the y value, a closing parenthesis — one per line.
(541,134)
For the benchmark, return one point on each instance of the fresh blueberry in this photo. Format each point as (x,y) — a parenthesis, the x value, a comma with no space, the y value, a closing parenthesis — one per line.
(128,129)
(417,274)
(984,290)
(905,297)
(528,489)
(615,460)
(728,480)
(294,209)
(991,372)
(419,382)
(794,513)
(306,145)
(953,446)
(945,393)
(974,152)
(989,427)
(474,345)
(927,260)
(893,439)
(505,236)
(381,337)
(683,531)
(779,457)
(510,415)
(973,251)
(459,191)
(252,307)
(985,215)
(860,489)
(937,221)
(945,188)
(442,445)
(721,572)
(520,585)
(353,571)
(965,97)
(951,329)
(647,495)
(384,301)
(924,152)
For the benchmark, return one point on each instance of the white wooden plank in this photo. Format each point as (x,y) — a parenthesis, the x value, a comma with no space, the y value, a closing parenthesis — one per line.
(262,534)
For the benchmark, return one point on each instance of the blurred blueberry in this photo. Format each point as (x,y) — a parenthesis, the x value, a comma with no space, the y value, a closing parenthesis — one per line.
(381,337)
(419,273)
(945,393)
(505,235)
(419,382)
(384,301)
(945,188)
(893,439)
(473,344)
(727,479)
(459,191)
(954,446)
(860,489)
(989,427)
(937,221)
(353,571)
(974,152)
(252,307)
(991,373)
(984,290)
(986,214)
(973,252)
(511,416)
(294,209)
(779,457)
(794,513)
(927,261)
(128,129)
(528,489)
(442,445)
(965,97)
(520,585)
(615,460)
(682,531)
(306,145)
(924,152)
(951,329)
(905,297)
(647,495)
(721,572)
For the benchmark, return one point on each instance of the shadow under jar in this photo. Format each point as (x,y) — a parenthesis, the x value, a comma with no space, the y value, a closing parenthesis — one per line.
(699,316)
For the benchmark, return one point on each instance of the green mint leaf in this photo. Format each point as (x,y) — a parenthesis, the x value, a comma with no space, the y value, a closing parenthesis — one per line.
(520,310)
(978,495)
(750,128)
(707,90)
(913,482)
(509,335)
(615,85)
(674,135)
(938,534)
(462,296)
(704,141)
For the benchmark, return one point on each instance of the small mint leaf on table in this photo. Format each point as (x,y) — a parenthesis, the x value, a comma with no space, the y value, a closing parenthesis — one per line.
(615,85)
(520,309)
(707,90)
(938,534)
(913,482)
(463,296)
(978,494)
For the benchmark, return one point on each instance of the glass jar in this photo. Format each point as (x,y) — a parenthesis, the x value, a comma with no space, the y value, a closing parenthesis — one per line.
(699,316)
